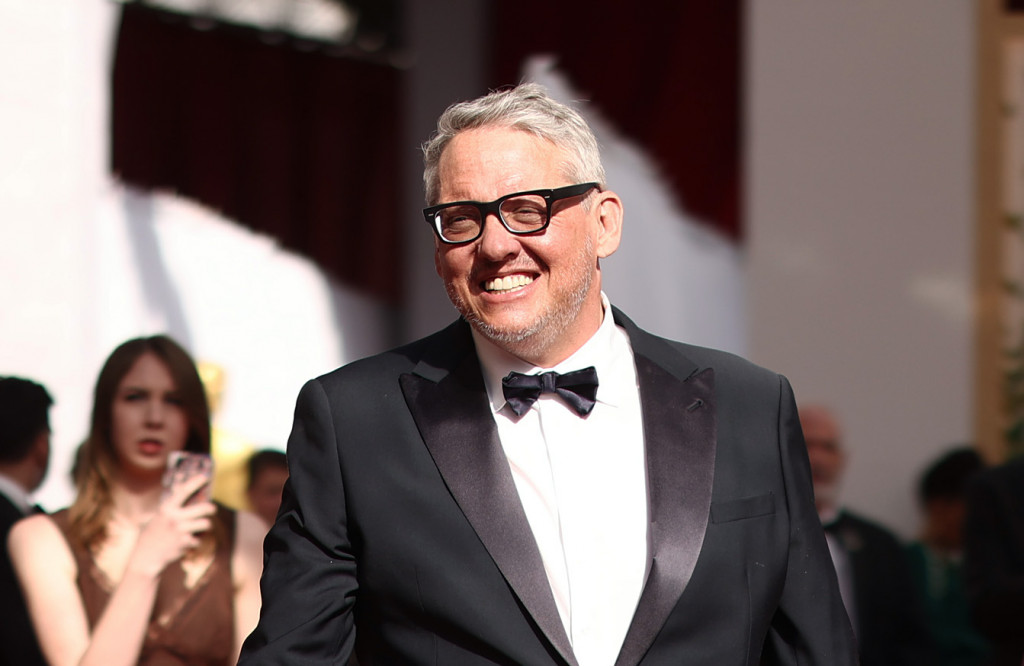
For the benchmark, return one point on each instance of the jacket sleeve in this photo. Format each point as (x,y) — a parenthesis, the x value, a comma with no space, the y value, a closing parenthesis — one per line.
(309,573)
(810,626)
(17,635)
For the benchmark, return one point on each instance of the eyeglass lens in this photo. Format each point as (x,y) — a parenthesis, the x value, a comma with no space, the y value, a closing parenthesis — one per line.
(522,214)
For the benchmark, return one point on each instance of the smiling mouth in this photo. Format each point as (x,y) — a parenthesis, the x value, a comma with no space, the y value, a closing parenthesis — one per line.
(507,284)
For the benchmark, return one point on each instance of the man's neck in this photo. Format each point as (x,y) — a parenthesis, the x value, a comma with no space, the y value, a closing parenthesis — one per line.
(497,362)
(14,489)
(548,354)
(18,475)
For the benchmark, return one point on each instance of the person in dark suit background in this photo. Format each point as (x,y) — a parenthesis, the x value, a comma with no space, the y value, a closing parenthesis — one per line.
(267,473)
(994,558)
(543,482)
(874,571)
(24,459)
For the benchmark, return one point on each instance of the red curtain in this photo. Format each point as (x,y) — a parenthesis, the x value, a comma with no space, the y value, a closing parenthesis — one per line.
(304,144)
(287,139)
(668,74)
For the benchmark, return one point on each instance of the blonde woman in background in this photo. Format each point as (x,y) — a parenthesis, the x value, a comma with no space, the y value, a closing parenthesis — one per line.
(130,574)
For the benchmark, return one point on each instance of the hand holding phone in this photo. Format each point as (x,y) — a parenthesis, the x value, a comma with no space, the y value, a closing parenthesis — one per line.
(185,465)
(185,514)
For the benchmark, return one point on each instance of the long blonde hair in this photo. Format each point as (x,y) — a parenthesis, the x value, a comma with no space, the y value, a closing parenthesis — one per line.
(92,508)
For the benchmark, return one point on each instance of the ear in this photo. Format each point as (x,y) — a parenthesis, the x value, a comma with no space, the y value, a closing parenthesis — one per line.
(608,209)
(41,452)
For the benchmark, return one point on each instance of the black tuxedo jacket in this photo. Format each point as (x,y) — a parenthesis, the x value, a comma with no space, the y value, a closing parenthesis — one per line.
(401,533)
(891,626)
(18,646)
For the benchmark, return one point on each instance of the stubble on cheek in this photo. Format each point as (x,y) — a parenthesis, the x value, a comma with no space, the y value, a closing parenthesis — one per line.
(548,325)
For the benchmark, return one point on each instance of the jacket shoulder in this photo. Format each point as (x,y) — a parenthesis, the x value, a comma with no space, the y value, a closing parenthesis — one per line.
(727,366)
(724,361)
(443,349)
(685,359)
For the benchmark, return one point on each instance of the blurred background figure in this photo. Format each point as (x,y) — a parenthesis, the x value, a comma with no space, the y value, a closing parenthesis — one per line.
(936,559)
(229,449)
(136,572)
(994,559)
(268,470)
(24,457)
(872,567)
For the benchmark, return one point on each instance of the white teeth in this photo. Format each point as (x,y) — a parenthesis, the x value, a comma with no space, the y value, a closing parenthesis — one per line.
(507,283)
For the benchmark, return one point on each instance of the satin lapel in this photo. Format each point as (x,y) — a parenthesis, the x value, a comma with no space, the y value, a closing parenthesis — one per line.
(453,416)
(679,431)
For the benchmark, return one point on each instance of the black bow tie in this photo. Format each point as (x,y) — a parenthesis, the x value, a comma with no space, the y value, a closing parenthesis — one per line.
(578,389)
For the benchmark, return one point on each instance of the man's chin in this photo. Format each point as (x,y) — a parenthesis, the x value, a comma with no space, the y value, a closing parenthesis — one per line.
(502,335)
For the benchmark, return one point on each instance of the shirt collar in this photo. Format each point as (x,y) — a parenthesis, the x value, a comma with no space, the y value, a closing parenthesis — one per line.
(607,350)
(14,492)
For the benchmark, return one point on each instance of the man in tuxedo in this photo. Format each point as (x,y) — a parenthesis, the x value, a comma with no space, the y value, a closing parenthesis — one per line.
(543,482)
(24,458)
(874,571)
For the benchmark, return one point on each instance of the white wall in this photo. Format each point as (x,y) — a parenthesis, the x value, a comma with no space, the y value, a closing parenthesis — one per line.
(53,62)
(859,135)
(86,264)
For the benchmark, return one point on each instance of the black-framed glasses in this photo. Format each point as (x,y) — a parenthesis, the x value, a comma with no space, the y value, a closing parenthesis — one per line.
(520,213)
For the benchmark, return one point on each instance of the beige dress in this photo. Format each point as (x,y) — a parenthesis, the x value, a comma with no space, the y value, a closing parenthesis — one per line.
(193,626)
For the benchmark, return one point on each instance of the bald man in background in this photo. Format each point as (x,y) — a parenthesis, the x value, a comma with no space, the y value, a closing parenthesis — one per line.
(874,574)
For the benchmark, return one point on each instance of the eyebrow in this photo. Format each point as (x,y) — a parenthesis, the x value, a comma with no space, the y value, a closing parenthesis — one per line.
(143,389)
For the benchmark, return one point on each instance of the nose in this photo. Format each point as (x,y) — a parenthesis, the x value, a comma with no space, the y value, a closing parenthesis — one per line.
(154,412)
(496,243)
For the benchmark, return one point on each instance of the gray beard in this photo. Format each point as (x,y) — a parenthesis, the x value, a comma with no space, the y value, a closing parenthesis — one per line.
(550,325)
(542,334)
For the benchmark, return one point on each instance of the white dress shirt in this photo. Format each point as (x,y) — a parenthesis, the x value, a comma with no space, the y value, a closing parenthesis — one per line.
(841,563)
(583,485)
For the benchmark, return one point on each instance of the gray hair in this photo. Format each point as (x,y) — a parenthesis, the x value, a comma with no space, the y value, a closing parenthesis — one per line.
(528,108)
